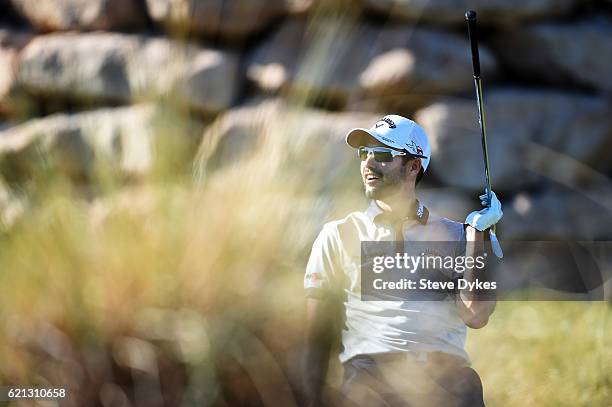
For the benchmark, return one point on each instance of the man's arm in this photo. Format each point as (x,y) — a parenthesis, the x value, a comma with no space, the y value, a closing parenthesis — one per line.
(474,312)
(321,332)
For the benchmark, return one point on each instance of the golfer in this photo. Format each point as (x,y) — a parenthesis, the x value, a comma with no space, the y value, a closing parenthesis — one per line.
(394,353)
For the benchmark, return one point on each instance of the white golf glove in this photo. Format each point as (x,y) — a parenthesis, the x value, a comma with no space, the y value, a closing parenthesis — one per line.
(487,217)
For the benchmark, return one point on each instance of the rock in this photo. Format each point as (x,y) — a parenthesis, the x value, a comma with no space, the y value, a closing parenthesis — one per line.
(11,42)
(57,15)
(118,67)
(379,68)
(92,66)
(10,38)
(311,141)
(234,19)
(297,7)
(8,67)
(448,202)
(118,141)
(490,12)
(203,79)
(561,52)
(527,131)
(559,214)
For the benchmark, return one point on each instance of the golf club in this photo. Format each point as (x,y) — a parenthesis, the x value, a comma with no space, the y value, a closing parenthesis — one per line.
(470,16)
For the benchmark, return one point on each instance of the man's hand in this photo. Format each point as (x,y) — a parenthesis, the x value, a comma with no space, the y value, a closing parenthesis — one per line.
(485,218)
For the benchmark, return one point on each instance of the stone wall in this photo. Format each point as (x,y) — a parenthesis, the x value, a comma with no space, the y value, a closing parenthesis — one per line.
(79,77)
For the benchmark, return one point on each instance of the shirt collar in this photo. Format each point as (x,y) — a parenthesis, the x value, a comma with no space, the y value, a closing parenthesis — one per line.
(374,212)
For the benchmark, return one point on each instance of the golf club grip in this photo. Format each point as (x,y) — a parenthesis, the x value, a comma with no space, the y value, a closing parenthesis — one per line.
(470,17)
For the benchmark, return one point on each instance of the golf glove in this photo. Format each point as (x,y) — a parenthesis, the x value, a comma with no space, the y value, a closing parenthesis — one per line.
(487,217)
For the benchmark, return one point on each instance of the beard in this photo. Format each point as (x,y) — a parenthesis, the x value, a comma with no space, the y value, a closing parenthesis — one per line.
(381,192)
(390,185)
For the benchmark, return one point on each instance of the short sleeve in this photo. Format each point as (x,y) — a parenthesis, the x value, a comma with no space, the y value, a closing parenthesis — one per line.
(322,267)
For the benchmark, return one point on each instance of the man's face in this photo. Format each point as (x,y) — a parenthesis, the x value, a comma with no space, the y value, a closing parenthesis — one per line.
(387,178)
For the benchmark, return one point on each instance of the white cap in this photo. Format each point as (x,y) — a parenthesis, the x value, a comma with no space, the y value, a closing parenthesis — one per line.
(396,132)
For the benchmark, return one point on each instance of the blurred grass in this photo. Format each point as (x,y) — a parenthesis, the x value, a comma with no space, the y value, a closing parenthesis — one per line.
(545,354)
(207,276)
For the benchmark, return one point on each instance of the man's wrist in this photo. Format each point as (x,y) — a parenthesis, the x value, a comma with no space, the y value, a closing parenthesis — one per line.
(473,234)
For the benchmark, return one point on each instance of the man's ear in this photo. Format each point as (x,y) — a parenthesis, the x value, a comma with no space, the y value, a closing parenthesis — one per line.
(415,166)
(411,165)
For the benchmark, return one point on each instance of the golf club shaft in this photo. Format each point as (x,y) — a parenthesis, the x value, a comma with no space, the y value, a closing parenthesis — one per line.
(470,16)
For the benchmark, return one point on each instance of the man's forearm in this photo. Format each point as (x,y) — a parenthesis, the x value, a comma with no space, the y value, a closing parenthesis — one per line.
(474,311)
(319,337)
(315,366)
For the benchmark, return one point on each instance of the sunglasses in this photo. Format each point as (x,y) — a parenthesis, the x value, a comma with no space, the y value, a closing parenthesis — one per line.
(381,154)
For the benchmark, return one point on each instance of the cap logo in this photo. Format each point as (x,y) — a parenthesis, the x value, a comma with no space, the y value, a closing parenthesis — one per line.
(414,147)
(386,120)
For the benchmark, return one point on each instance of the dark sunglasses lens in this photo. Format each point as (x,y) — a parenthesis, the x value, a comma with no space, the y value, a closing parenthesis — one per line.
(383,156)
(379,156)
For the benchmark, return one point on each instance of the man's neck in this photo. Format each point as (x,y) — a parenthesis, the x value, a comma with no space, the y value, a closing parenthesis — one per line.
(399,206)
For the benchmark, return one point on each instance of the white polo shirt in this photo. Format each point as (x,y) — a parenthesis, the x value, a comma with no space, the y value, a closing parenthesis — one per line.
(373,327)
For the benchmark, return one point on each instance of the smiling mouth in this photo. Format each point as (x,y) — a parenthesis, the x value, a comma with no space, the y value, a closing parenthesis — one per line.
(372,178)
